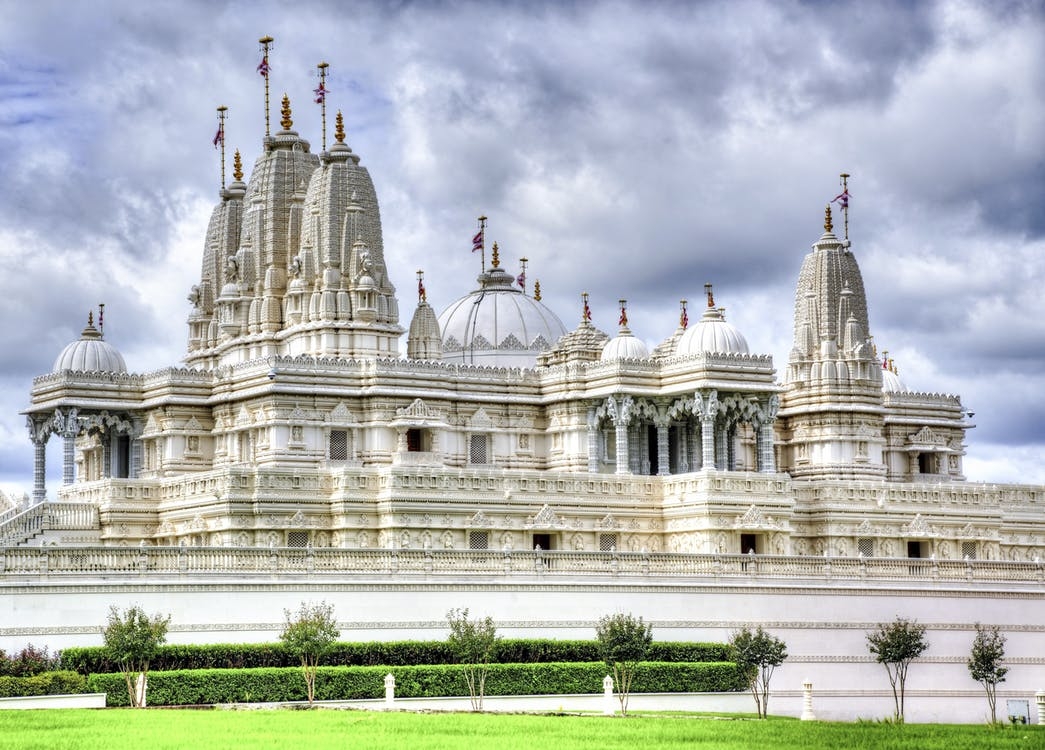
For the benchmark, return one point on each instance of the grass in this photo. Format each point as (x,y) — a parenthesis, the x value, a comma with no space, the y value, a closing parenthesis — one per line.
(158,729)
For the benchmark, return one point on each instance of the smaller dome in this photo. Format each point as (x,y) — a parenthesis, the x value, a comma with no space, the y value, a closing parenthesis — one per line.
(712,334)
(90,353)
(624,346)
(891,382)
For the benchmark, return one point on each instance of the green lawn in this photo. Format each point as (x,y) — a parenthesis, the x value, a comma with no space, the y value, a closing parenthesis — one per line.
(156,729)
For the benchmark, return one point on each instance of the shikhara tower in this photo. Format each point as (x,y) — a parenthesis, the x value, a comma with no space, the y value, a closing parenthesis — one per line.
(298,422)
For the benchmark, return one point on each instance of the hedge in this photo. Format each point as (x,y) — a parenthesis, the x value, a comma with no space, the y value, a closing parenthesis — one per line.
(388,654)
(48,683)
(267,685)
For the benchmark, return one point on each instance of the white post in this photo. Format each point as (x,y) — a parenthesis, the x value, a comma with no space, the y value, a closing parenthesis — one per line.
(807,701)
(390,690)
(608,701)
(1040,698)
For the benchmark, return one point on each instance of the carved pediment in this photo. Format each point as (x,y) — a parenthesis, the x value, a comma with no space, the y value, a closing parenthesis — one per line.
(340,415)
(607,522)
(917,527)
(546,518)
(754,518)
(193,425)
(480,520)
(926,436)
(480,420)
(298,415)
(418,409)
(511,342)
(865,528)
(243,417)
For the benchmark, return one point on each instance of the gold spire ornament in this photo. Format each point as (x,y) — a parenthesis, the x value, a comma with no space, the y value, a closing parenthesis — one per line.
(339,128)
(537,290)
(237,166)
(495,261)
(828,226)
(286,122)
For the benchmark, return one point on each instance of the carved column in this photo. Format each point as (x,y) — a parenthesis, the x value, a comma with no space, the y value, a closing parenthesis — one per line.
(720,447)
(593,441)
(663,459)
(707,442)
(39,469)
(731,448)
(766,447)
(622,447)
(683,432)
(136,449)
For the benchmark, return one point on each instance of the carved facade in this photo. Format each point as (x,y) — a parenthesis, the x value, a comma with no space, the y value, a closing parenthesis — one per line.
(296,422)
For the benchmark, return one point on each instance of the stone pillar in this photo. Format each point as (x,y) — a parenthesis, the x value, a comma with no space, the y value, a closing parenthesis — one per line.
(720,449)
(68,457)
(593,442)
(622,447)
(1040,698)
(683,448)
(731,448)
(135,466)
(390,690)
(39,470)
(663,465)
(106,455)
(766,452)
(608,701)
(807,701)
(707,442)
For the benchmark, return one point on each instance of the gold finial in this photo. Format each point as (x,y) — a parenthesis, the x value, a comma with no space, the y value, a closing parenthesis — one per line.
(286,123)
(537,290)
(711,297)
(828,226)
(339,128)
(90,318)
(237,166)
(495,261)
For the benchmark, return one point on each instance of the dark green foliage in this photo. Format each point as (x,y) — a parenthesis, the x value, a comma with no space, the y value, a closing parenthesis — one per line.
(347,683)
(48,683)
(758,653)
(896,644)
(473,643)
(624,642)
(309,634)
(985,663)
(28,662)
(93,659)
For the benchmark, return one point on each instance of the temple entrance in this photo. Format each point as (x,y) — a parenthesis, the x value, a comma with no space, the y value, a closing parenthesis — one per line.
(544,541)
(750,543)
(651,449)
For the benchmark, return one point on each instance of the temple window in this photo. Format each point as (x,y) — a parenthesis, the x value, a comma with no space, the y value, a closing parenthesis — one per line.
(479,540)
(479,448)
(865,546)
(609,542)
(338,445)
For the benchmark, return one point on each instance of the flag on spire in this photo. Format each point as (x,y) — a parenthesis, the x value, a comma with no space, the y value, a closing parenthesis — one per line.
(477,241)
(521,279)
(321,93)
(586,315)
(684,317)
(421,294)
(623,319)
(263,66)
(219,137)
(842,199)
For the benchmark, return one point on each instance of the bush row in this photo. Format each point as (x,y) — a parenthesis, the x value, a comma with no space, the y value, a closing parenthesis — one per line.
(264,685)
(48,683)
(388,654)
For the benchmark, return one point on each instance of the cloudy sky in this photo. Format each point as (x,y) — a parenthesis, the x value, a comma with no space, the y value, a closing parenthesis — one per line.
(628,149)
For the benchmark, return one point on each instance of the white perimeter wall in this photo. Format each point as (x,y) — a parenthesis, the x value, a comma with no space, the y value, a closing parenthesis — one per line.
(823,624)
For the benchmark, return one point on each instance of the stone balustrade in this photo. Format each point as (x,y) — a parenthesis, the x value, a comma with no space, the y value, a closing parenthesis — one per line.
(21,527)
(411,563)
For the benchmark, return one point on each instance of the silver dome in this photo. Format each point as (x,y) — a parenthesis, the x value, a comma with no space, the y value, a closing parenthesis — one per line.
(712,334)
(90,353)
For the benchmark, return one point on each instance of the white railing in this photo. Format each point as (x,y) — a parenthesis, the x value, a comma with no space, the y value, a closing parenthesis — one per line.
(343,563)
(47,516)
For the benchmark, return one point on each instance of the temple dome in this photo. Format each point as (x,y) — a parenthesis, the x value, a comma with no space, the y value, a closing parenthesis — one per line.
(90,353)
(712,334)
(498,325)
(625,345)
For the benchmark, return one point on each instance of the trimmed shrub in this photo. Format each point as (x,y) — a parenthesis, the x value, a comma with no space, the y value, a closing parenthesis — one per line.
(387,654)
(265,685)
(48,683)
(28,662)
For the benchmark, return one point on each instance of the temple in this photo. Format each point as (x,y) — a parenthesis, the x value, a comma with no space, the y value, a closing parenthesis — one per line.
(299,418)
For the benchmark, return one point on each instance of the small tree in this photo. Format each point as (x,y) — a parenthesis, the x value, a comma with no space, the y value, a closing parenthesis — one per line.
(896,644)
(472,642)
(309,634)
(623,643)
(758,654)
(988,650)
(131,640)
